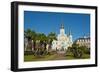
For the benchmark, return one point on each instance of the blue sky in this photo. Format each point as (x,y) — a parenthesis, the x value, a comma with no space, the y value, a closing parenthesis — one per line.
(47,22)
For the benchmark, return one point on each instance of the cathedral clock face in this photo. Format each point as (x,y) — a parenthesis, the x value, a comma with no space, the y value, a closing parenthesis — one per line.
(63,38)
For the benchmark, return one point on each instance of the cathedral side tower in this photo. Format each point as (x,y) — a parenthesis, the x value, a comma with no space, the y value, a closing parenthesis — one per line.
(70,38)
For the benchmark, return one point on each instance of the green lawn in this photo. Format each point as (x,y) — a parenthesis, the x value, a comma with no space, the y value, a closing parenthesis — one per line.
(53,57)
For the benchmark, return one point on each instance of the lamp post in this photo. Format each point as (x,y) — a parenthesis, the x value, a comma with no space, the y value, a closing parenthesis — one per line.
(32,46)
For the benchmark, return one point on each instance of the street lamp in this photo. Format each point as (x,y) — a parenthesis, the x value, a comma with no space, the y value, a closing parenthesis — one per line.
(32,46)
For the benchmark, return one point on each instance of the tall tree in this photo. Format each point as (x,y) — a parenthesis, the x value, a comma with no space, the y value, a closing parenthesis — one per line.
(30,34)
(52,36)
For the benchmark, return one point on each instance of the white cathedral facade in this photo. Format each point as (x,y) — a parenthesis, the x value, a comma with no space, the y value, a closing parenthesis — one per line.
(63,40)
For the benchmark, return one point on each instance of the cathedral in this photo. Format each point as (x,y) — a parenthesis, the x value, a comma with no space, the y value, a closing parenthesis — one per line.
(63,40)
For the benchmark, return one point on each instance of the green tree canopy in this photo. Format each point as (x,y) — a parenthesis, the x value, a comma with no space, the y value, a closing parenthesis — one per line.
(31,34)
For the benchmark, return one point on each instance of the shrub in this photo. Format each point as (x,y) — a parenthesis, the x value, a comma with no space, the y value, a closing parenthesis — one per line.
(28,53)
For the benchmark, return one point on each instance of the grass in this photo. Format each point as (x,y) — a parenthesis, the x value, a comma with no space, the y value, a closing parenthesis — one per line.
(53,57)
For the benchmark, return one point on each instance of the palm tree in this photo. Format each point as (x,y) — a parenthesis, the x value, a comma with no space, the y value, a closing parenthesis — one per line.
(41,37)
(51,37)
(30,35)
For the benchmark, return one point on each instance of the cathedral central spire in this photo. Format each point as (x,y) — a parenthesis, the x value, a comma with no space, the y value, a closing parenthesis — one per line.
(62,31)
(62,26)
